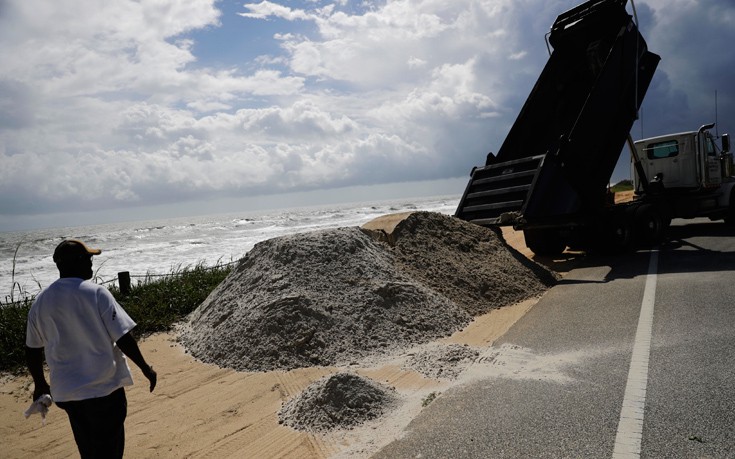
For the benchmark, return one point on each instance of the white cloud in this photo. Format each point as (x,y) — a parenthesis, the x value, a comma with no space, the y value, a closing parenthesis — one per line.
(266,9)
(518,55)
(415,62)
(108,103)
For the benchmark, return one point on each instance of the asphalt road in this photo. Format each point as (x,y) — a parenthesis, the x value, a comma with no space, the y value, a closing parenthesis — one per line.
(555,384)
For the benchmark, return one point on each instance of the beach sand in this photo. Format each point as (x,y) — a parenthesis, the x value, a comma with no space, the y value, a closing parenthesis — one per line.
(200,410)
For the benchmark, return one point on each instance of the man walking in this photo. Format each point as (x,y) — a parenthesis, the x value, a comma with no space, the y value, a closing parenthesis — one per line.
(84,333)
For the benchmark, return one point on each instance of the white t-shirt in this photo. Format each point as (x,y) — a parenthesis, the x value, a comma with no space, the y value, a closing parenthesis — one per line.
(78,322)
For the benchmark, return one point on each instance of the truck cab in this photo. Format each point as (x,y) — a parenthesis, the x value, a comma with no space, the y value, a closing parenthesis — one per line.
(683,161)
(686,175)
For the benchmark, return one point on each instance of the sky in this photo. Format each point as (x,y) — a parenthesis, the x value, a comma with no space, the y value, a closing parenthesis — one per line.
(130,109)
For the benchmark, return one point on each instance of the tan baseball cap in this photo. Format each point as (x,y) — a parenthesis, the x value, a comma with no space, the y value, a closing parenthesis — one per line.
(71,249)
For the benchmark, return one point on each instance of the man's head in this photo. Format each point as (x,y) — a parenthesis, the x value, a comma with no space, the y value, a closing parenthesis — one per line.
(74,259)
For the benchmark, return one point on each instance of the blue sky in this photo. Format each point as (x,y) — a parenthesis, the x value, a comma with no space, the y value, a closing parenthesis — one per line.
(131,109)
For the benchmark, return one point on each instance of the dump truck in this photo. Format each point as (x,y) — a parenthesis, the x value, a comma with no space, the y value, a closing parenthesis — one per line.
(550,178)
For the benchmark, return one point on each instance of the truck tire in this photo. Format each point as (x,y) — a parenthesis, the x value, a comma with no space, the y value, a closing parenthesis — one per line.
(730,216)
(649,226)
(613,237)
(544,242)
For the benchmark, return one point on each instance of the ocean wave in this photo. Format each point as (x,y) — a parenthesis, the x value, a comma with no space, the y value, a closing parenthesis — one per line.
(157,247)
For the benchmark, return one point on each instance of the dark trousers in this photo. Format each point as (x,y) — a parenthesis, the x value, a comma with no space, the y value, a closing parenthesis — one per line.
(99,425)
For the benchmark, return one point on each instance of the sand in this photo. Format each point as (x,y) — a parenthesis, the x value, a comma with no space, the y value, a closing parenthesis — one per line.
(338,296)
(204,410)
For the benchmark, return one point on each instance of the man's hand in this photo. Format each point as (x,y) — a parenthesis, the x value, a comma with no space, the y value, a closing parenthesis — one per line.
(151,375)
(129,347)
(34,361)
(39,389)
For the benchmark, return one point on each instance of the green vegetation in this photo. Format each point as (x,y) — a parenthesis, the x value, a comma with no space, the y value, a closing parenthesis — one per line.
(13,333)
(623,185)
(155,303)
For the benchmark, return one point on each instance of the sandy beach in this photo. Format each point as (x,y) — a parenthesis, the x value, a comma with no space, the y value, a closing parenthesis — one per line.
(201,410)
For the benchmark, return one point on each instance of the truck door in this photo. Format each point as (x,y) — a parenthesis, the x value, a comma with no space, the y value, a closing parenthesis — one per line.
(674,159)
(712,173)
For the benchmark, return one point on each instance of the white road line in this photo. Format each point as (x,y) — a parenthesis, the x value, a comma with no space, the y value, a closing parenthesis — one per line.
(630,426)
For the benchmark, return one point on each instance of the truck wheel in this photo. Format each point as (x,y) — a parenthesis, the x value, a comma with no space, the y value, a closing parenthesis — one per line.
(730,216)
(649,226)
(544,242)
(620,236)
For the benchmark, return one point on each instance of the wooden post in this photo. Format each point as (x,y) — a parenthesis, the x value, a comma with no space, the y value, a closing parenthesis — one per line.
(123,280)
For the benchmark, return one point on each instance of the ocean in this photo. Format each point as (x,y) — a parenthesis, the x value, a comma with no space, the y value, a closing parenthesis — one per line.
(162,246)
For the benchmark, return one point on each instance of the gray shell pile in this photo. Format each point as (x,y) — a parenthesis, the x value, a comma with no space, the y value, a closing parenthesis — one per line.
(339,401)
(332,297)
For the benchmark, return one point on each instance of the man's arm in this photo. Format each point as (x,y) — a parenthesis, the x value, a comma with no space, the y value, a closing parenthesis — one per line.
(34,362)
(129,347)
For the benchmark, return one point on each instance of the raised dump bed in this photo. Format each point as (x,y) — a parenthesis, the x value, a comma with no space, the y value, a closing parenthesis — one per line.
(553,168)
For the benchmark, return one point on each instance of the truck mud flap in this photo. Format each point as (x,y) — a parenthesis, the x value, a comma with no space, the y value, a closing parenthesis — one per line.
(544,241)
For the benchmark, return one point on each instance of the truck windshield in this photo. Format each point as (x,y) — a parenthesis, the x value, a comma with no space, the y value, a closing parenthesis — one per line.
(659,150)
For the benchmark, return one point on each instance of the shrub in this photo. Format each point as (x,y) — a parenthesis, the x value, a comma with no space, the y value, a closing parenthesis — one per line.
(158,302)
(13,333)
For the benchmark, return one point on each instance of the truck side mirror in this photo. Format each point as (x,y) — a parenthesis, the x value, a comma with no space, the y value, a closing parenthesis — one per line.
(726,143)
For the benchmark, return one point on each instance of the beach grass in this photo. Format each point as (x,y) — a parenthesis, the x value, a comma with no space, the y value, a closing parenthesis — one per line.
(13,333)
(155,302)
